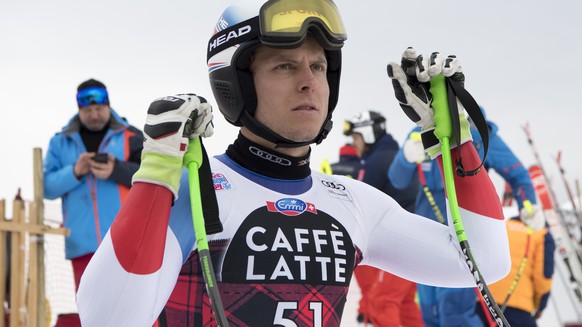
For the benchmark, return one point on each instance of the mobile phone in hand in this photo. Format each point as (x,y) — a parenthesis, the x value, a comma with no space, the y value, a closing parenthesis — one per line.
(101,157)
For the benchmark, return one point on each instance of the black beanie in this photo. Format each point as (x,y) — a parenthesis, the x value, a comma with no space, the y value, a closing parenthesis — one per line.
(90,83)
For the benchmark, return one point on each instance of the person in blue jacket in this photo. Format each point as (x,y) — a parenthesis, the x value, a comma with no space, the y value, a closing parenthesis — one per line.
(457,306)
(386,300)
(89,165)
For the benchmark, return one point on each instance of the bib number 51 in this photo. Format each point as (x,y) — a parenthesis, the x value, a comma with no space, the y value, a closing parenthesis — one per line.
(315,307)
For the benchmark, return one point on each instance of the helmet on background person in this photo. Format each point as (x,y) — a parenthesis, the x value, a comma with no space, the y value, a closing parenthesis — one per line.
(370,124)
(244,26)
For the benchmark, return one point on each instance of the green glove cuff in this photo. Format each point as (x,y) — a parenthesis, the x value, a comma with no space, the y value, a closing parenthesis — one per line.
(432,143)
(160,169)
(465,131)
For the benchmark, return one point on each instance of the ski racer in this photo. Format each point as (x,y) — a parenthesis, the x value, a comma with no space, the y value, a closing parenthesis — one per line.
(291,236)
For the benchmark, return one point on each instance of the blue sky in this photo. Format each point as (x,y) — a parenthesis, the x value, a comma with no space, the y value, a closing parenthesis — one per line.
(521,61)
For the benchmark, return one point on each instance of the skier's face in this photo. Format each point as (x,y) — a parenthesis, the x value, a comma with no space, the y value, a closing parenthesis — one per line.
(292,90)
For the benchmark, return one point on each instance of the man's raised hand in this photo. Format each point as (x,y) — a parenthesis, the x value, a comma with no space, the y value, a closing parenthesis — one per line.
(171,122)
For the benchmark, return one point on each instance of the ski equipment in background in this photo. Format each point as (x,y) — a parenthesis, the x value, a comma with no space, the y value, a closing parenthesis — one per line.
(427,192)
(567,186)
(565,245)
(550,191)
(507,198)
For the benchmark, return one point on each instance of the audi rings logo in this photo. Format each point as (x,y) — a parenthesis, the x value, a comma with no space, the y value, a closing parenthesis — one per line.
(268,156)
(333,185)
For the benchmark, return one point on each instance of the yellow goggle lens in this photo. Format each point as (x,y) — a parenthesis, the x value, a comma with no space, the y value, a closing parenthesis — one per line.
(289,16)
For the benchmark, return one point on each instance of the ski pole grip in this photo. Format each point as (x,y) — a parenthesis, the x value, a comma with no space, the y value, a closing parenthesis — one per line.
(440,104)
(194,153)
(528,207)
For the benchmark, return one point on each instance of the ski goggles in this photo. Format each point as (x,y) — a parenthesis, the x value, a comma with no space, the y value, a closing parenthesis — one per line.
(284,23)
(92,95)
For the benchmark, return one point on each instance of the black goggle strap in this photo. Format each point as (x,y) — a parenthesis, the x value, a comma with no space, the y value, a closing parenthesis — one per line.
(249,30)
(456,90)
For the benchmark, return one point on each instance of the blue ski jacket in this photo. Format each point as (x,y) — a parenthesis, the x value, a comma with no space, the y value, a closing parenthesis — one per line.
(89,205)
(447,306)
(500,158)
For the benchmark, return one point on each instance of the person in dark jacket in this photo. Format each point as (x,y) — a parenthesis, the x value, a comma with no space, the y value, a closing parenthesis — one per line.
(349,163)
(387,300)
(89,165)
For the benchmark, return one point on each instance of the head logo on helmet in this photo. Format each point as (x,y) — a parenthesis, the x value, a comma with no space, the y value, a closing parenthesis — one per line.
(370,124)
(275,23)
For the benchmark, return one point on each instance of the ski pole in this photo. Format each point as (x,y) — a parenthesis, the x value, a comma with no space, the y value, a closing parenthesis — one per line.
(519,271)
(193,161)
(559,231)
(443,132)
(551,192)
(325,167)
(425,189)
(552,197)
(567,186)
(529,209)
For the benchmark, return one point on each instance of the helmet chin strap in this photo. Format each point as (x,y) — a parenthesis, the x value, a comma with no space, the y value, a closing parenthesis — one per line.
(280,142)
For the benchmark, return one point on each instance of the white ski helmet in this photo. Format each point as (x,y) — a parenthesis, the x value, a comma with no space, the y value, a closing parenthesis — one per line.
(370,124)
(244,26)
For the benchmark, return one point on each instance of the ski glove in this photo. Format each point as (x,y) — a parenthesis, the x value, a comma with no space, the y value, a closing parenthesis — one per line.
(533,217)
(171,122)
(411,82)
(413,150)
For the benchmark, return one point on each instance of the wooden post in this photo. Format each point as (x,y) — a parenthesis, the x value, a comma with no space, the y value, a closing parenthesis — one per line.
(17,261)
(39,220)
(19,229)
(27,295)
(3,264)
(33,274)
